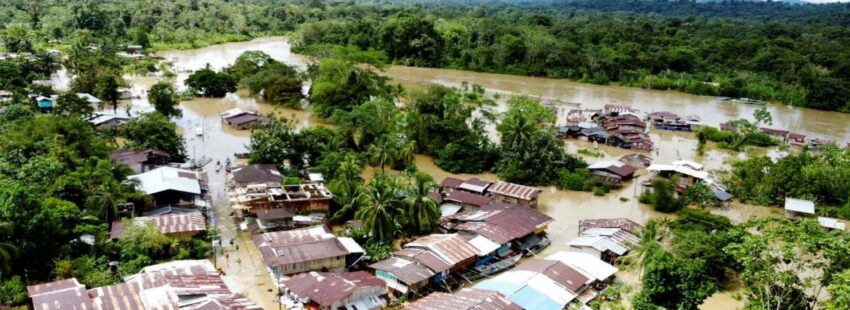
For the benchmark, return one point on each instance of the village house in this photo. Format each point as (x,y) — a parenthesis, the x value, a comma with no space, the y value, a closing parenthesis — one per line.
(611,172)
(465,299)
(345,290)
(258,187)
(103,121)
(670,121)
(255,174)
(172,186)
(306,249)
(141,161)
(606,239)
(546,283)
(402,275)
(185,284)
(304,198)
(799,208)
(176,225)
(242,119)
(513,228)
(427,263)
(505,192)
(689,173)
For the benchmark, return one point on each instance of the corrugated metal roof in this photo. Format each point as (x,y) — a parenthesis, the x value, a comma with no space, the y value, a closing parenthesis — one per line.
(62,294)
(328,289)
(624,223)
(451,183)
(514,190)
(467,198)
(167,178)
(404,270)
(170,223)
(465,299)
(586,263)
(451,248)
(424,257)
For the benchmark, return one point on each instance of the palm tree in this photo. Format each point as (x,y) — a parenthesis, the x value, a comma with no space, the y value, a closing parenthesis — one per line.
(349,196)
(383,210)
(380,153)
(651,238)
(422,210)
(104,199)
(516,129)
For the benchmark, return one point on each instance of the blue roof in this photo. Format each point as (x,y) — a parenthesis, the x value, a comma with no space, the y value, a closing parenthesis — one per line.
(506,288)
(530,298)
(45,103)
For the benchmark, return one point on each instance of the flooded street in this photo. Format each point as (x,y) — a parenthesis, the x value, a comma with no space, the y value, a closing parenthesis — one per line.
(219,142)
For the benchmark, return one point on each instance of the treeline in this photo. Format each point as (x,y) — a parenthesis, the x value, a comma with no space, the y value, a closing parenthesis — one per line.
(796,61)
(160,24)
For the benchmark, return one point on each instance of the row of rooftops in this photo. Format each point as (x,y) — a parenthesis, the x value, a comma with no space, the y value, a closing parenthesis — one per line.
(545,284)
(351,290)
(186,284)
(550,283)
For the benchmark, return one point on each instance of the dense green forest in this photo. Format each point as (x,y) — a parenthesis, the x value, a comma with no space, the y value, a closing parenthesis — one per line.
(788,53)
(796,57)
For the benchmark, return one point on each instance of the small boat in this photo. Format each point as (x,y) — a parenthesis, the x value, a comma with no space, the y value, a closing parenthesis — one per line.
(242,155)
(199,131)
(479,272)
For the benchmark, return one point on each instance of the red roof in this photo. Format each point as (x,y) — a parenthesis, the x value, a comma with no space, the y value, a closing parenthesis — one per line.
(467,198)
(465,299)
(62,294)
(502,223)
(451,183)
(329,289)
(563,274)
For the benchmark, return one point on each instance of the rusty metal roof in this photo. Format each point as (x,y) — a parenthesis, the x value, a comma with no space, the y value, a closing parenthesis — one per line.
(467,198)
(282,254)
(451,248)
(568,277)
(253,174)
(503,223)
(328,289)
(623,223)
(119,296)
(406,271)
(465,299)
(232,302)
(62,294)
(170,223)
(514,190)
(424,257)
(451,183)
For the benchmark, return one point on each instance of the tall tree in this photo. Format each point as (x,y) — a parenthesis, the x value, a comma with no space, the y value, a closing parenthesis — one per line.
(422,211)
(164,99)
(383,213)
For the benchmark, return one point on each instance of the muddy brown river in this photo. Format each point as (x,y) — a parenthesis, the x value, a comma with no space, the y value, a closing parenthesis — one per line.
(567,208)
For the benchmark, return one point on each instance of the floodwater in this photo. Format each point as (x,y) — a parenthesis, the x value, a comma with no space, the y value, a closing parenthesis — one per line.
(566,207)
